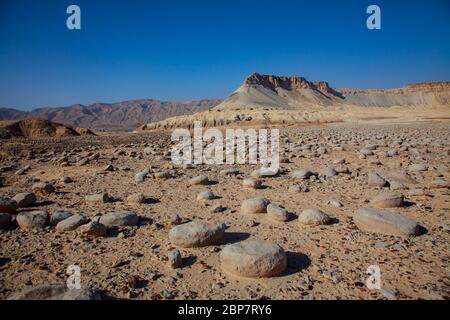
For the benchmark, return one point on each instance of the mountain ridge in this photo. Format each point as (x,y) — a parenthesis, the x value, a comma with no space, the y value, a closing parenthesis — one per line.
(120,116)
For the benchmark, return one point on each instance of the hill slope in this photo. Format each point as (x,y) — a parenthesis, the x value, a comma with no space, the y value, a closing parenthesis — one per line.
(38,128)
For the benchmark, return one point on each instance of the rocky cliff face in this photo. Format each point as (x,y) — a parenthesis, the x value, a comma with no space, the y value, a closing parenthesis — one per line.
(288,83)
(426,87)
(433,94)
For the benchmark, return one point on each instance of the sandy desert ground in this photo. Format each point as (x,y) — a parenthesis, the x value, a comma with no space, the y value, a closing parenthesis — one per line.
(326,261)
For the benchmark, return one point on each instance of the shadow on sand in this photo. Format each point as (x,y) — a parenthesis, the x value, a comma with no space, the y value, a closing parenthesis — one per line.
(296,262)
(234,237)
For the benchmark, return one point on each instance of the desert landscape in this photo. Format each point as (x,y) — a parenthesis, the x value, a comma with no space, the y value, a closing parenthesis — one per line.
(364,180)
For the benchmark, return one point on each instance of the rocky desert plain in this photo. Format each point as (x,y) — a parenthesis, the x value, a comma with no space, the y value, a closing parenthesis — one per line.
(363,181)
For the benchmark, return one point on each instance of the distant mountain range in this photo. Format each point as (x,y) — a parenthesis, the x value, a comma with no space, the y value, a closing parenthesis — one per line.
(261,99)
(121,116)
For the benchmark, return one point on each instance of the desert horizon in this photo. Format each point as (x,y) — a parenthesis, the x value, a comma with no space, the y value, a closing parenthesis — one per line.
(133,114)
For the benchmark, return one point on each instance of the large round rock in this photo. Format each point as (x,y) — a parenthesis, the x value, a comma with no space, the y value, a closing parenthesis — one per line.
(71,223)
(25,199)
(375,180)
(253,259)
(197,234)
(254,206)
(120,219)
(387,200)
(136,198)
(313,217)
(199,180)
(277,213)
(100,197)
(93,228)
(385,222)
(32,220)
(43,188)
(59,216)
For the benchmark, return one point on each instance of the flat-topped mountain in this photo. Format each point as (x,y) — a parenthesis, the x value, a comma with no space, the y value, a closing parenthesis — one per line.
(297,92)
(269,99)
(267,91)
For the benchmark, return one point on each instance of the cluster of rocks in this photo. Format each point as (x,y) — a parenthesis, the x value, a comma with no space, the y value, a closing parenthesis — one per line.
(62,221)
(311,216)
(250,258)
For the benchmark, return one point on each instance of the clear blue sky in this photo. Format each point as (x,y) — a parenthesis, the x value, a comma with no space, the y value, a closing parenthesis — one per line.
(192,49)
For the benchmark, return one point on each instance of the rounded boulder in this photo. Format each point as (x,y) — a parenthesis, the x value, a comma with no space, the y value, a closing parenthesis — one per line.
(313,217)
(119,219)
(197,234)
(254,206)
(32,220)
(253,259)
(387,200)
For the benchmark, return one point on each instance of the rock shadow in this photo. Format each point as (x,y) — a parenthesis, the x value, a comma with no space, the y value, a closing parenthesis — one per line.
(333,221)
(114,200)
(421,230)
(408,204)
(296,262)
(112,232)
(151,201)
(144,221)
(188,261)
(234,237)
(42,204)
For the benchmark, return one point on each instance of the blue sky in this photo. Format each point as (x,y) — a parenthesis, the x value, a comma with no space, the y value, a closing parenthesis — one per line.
(193,49)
